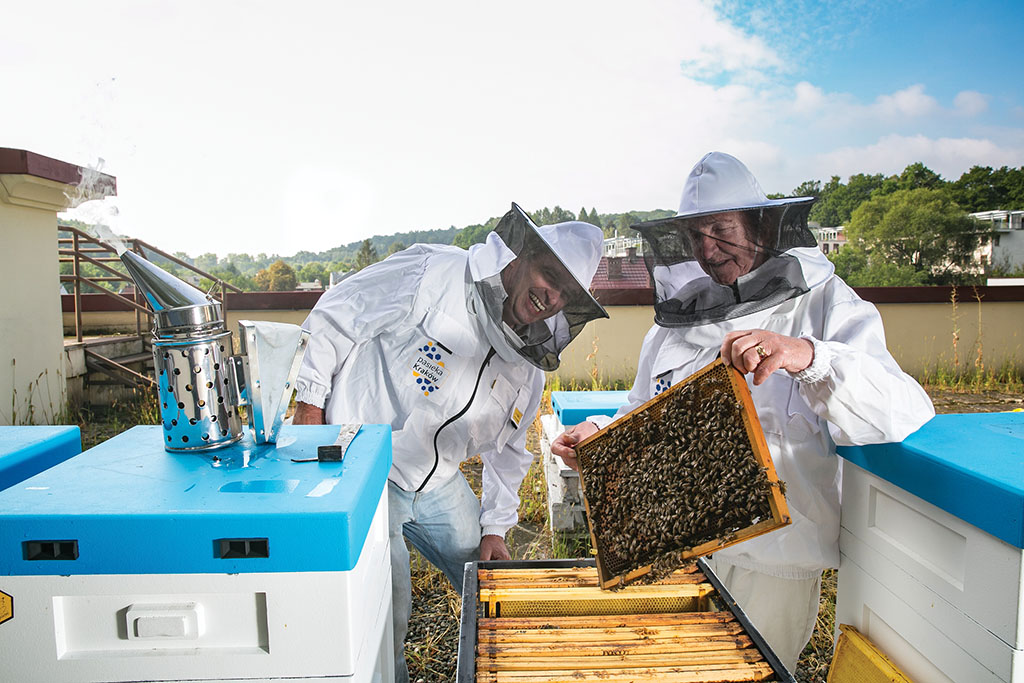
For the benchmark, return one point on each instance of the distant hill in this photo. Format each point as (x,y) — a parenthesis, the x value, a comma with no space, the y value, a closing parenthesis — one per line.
(240,268)
(382,243)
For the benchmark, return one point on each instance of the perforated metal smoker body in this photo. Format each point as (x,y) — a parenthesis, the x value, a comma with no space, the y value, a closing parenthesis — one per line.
(194,392)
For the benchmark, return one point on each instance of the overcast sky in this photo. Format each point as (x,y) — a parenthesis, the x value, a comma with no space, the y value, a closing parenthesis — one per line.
(278,127)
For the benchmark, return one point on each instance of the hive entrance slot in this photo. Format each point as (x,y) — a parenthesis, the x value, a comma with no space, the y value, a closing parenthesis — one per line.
(244,548)
(50,550)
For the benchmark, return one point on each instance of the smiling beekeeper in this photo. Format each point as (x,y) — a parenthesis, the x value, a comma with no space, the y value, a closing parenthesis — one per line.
(448,346)
(739,274)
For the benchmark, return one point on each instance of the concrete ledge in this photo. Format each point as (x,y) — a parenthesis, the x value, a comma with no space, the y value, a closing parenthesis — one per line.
(95,388)
(246,301)
(39,182)
(295,301)
(923,330)
(938,295)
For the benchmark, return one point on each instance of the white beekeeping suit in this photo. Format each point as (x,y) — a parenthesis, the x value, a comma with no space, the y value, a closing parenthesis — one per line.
(852,393)
(448,346)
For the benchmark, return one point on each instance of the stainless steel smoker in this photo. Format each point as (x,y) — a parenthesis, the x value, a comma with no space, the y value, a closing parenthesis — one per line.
(201,384)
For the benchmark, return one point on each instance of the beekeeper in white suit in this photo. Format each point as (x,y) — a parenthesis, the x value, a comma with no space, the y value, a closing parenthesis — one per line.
(740,275)
(448,347)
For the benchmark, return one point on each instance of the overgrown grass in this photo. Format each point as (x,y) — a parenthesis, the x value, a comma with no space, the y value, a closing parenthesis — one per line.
(533,496)
(37,405)
(947,377)
(966,371)
(817,656)
(570,546)
(600,383)
(99,423)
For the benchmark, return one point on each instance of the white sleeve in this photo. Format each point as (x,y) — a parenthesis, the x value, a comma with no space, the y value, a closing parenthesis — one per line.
(359,308)
(504,472)
(855,383)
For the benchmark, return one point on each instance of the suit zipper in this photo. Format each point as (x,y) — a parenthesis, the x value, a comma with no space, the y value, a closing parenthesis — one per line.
(453,418)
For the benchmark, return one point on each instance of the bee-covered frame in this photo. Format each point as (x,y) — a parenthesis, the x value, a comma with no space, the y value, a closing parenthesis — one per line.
(758,447)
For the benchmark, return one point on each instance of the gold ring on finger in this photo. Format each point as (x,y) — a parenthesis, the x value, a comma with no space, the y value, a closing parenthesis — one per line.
(761,353)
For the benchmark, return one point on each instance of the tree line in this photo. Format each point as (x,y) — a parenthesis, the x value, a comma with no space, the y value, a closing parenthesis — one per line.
(914,228)
(906,229)
(262,272)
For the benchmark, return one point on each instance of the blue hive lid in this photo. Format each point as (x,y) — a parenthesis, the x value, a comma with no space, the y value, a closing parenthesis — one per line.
(971,466)
(28,450)
(573,407)
(133,508)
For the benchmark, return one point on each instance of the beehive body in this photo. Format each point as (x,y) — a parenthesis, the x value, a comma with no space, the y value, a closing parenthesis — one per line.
(549,621)
(683,475)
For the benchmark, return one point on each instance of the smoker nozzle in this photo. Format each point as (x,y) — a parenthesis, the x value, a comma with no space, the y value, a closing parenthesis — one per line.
(179,307)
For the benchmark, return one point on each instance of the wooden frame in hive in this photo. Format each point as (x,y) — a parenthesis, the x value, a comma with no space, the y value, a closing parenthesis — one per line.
(725,388)
(548,621)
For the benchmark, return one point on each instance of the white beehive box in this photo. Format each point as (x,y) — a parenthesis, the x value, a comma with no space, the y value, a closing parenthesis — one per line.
(566,511)
(128,563)
(931,548)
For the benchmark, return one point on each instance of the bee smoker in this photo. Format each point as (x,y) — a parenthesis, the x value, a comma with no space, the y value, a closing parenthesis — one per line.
(201,385)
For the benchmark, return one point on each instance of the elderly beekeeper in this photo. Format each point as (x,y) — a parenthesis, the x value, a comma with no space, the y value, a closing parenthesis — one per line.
(740,275)
(448,346)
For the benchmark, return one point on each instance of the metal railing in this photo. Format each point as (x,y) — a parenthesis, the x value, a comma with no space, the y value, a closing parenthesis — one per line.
(77,247)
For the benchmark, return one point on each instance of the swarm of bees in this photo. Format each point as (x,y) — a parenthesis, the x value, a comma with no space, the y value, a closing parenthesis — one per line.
(672,476)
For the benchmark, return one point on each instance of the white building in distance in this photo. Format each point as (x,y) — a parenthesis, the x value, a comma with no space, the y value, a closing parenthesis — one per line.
(620,246)
(1005,250)
(829,240)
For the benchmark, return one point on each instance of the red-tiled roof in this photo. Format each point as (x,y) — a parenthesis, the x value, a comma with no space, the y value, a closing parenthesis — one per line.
(632,288)
(634,275)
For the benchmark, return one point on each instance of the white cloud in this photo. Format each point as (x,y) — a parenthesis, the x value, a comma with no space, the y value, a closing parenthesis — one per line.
(949,157)
(970,103)
(717,47)
(809,98)
(754,153)
(905,109)
(377,121)
(238,126)
(910,102)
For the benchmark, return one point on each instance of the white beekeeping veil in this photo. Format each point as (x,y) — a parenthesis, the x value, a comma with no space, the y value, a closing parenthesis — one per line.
(568,253)
(777,231)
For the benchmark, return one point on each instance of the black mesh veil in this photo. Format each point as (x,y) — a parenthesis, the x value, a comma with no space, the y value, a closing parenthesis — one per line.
(686,295)
(554,251)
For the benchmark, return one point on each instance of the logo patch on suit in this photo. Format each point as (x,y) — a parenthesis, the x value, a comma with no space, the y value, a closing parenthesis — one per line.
(663,383)
(428,369)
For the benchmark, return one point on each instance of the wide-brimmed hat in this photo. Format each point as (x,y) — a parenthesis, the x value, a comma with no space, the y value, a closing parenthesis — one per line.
(685,294)
(577,245)
(721,182)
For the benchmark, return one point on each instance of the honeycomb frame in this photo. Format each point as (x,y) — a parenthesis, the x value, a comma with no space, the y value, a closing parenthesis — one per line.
(613,481)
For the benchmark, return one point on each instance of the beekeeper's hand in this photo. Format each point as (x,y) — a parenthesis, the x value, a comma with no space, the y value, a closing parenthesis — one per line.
(563,444)
(763,352)
(306,414)
(493,547)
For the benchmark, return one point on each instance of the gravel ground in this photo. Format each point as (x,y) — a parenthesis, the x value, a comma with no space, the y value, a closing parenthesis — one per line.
(982,402)
(432,645)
